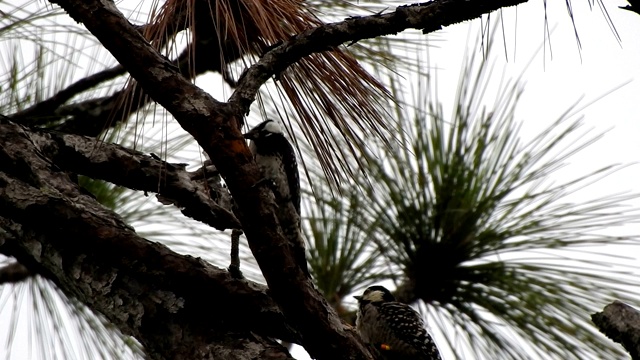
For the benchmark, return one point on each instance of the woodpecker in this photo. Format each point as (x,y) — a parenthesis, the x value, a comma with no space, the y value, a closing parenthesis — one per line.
(394,329)
(277,162)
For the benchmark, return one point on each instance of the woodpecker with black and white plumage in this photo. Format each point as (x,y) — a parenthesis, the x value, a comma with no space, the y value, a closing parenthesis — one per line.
(277,162)
(392,328)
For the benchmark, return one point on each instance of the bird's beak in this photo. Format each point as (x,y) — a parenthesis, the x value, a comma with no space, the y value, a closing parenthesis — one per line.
(250,135)
(358,298)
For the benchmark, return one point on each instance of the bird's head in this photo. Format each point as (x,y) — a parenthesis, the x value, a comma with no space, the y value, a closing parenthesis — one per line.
(375,294)
(264,130)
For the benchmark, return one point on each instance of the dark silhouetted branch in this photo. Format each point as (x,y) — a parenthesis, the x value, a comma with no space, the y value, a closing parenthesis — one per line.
(621,323)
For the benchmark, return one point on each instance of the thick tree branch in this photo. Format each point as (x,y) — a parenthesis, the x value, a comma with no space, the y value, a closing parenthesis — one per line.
(134,170)
(176,306)
(92,117)
(216,128)
(428,17)
(217,131)
(621,323)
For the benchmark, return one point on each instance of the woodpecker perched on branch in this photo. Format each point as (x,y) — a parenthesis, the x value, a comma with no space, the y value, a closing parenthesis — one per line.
(277,161)
(393,329)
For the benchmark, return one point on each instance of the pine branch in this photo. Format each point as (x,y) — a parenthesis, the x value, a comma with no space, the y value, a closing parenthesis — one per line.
(428,17)
(217,131)
(41,112)
(134,170)
(215,126)
(621,323)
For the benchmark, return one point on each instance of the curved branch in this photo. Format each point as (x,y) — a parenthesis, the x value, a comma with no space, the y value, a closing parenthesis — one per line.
(41,113)
(634,5)
(427,17)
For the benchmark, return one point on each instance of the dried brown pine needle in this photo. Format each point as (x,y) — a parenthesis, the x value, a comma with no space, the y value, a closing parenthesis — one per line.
(330,92)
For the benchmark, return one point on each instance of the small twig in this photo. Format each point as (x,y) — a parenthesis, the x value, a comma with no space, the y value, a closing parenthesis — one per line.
(35,115)
(234,267)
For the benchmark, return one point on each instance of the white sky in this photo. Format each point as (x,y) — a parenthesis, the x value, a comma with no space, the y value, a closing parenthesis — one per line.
(553,83)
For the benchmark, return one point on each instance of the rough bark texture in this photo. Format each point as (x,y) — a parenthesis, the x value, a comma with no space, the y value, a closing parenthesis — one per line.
(177,306)
(199,194)
(217,131)
(621,323)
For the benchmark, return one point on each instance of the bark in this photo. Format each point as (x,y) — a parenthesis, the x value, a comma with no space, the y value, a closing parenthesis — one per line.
(175,305)
(217,131)
(199,194)
(621,323)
